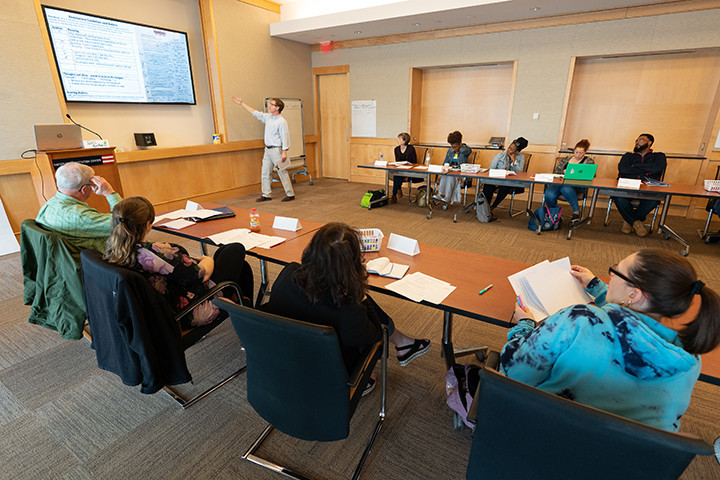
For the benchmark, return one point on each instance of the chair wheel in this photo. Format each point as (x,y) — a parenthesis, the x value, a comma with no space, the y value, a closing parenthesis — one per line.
(311,182)
(455,218)
(457,422)
(666,237)
(444,207)
(684,253)
(481,356)
(429,215)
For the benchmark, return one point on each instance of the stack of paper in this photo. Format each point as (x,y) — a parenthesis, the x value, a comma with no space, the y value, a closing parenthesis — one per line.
(548,287)
(249,239)
(418,287)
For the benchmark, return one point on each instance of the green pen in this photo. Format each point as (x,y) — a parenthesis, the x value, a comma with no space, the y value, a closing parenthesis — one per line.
(485,289)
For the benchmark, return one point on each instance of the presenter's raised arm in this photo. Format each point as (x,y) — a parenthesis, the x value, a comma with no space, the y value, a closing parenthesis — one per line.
(239,101)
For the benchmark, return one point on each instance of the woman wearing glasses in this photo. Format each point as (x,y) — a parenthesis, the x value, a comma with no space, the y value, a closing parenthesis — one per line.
(625,354)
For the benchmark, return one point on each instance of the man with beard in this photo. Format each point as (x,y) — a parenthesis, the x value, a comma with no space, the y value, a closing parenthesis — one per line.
(641,163)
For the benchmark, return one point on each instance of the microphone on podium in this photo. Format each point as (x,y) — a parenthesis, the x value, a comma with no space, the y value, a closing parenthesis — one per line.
(85,128)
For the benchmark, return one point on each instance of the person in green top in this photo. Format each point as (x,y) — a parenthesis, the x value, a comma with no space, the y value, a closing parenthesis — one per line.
(68,213)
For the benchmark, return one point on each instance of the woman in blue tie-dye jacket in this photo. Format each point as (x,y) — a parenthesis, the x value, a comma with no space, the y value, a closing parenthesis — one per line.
(624,354)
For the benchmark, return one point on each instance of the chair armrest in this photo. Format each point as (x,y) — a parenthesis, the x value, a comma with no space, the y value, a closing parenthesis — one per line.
(492,362)
(357,374)
(207,296)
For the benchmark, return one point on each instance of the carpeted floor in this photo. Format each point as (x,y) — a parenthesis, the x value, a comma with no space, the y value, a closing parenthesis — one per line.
(62,417)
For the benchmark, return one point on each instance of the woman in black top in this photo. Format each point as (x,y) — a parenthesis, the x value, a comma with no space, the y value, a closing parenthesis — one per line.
(330,288)
(404,152)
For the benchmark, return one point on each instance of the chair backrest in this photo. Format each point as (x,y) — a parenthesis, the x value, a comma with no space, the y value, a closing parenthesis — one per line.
(523,432)
(51,280)
(134,332)
(296,378)
(528,156)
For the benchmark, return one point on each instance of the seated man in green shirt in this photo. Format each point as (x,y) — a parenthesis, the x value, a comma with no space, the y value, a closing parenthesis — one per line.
(68,213)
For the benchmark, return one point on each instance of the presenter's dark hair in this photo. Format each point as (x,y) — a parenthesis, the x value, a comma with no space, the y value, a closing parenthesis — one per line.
(584,144)
(332,266)
(405,137)
(454,138)
(669,282)
(280,104)
(129,224)
(649,137)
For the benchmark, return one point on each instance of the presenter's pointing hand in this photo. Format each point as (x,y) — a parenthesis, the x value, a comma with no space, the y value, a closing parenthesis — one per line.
(237,100)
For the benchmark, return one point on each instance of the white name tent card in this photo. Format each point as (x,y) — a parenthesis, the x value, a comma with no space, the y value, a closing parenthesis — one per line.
(629,183)
(408,246)
(380,163)
(544,177)
(435,168)
(191,206)
(287,223)
(497,173)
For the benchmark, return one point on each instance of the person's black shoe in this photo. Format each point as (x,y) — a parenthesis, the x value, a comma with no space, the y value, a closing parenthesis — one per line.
(414,350)
(370,385)
(575,218)
(288,199)
(263,199)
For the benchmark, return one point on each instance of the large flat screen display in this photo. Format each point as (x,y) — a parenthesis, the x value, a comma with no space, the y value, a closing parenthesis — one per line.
(100,59)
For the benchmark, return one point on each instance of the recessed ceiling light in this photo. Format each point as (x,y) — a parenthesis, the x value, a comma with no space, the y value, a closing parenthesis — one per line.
(416,24)
(358,32)
(535,9)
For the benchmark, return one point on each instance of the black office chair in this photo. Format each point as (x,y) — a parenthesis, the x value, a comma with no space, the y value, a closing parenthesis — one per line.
(523,432)
(134,331)
(710,207)
(297,380)
(51,280)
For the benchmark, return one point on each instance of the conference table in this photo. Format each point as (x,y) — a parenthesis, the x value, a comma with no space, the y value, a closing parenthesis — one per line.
(468,272)
(599,186)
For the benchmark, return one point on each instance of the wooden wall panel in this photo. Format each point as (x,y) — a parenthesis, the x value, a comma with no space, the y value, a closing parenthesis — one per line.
(671,95)
(475,100)
(18,196)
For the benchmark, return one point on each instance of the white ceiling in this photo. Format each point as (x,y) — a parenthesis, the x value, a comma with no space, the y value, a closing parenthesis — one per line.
(401,16)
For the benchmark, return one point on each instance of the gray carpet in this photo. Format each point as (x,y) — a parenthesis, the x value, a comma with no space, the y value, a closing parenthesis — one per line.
(62,417)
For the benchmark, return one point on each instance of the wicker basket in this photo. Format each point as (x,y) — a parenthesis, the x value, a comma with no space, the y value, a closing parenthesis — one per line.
(712,185)
(370,239)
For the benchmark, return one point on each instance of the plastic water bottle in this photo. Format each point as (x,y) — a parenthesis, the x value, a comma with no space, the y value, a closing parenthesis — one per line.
(381,157)
(254,220)
(427,157)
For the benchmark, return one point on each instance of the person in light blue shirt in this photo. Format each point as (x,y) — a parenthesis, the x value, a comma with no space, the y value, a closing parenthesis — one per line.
(625,354)
(277,144)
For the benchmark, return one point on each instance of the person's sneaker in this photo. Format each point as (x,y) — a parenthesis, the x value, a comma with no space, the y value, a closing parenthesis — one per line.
(399,194)
(438,198)
(575,218)
(370,385)
(393,199)
(627,229)
(263,199)
(640,228)
(411,352)
(288,198)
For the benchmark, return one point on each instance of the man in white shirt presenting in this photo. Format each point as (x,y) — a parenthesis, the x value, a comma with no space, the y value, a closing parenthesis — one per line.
(277,143)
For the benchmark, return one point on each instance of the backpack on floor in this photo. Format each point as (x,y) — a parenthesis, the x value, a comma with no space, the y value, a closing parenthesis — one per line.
(421,197)
(484,215)
(461,383)
(549,218)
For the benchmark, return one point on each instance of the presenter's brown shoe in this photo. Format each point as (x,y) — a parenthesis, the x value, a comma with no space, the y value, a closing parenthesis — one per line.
(627,229)
(288,199)
(263,199)
(640,228)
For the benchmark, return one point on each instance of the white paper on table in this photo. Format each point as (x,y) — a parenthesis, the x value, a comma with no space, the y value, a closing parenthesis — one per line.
(556,287)
(385,268)
(435,168)
(202,213)
(237,235)
(178,224)
(419,287)
(287,223)
(524,291)
(380,163)
(497,173)
(268,241)
(420,167)
(544,177)
(399,164)
(629,183)
(171,215)
(408,246)
(191,206)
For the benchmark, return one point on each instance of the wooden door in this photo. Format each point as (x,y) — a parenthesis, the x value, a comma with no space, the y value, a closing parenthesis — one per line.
(334,119)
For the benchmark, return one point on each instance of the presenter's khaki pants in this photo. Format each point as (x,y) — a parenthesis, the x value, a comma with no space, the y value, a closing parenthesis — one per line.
(271,159)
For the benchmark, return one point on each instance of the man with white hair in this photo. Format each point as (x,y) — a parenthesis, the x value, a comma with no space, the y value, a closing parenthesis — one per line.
(68,213)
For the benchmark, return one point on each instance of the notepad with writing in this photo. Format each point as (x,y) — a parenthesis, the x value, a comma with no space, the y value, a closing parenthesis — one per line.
(385,268)
(548,287)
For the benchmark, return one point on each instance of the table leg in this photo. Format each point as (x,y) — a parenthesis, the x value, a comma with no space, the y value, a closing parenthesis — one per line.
(588,217)
(668,232)
(447,345)
(429,196)
(263,283)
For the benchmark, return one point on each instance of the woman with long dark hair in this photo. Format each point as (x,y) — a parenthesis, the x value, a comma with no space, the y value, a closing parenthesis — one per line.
(168,267)
(624,354)
(330,288)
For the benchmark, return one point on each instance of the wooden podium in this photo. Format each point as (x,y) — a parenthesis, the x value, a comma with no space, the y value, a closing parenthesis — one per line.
(102,160)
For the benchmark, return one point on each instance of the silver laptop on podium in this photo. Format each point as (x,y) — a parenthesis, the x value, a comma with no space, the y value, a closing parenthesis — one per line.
(58,136)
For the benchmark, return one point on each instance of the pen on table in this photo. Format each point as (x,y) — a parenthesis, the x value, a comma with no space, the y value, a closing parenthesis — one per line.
(485,289)
(519,302)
